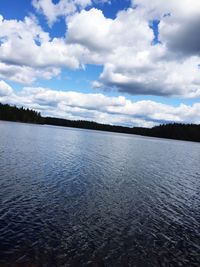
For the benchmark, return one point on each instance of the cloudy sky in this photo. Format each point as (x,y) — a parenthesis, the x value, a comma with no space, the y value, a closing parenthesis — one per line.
(134,63)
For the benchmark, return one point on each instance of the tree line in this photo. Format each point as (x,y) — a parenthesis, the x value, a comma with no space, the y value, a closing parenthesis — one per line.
(13,113)
(189,132)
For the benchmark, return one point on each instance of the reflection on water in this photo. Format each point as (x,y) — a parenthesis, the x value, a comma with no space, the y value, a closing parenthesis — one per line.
(72,197)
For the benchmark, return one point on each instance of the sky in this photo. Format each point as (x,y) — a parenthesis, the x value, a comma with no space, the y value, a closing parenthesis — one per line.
(121,62)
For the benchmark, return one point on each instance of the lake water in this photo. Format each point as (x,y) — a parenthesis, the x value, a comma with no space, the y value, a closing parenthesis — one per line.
(71,197)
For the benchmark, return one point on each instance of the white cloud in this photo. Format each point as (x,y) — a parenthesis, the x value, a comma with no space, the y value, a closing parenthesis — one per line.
(99,107)
(25,43)
(182,37)
(104,35)
(123,46)
(131,63)
(155,9)
(25,74)
(5,89)
(28,53)
(96,85)
(180,23)
(63,8)
(169,78)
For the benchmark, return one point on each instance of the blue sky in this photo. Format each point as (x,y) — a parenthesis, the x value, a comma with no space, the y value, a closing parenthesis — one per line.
(120,62)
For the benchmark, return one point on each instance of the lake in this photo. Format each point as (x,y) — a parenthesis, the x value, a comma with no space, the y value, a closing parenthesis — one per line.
(71,197)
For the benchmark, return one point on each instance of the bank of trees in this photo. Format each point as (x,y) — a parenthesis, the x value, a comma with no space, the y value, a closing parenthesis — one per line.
(189,132)
(13,113)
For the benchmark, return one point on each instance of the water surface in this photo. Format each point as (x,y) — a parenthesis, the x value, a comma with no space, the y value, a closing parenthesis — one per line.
(71,197)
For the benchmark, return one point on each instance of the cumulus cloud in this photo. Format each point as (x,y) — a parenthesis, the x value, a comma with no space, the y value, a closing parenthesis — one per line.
(96,85)
(179,23)
(182,38)
(26,74)
(166,79)
(156,9)
(25,43)
(99,107)
(127,30)
(5,89)
(63,8)
(27,52)
(132,62)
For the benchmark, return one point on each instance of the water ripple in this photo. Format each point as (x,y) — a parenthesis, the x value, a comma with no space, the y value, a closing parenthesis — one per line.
(80,198)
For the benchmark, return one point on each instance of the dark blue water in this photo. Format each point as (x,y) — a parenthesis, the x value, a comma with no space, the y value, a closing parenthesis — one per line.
(72,197)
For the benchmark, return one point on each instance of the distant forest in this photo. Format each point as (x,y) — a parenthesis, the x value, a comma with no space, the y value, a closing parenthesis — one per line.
(12,113)
(188,132)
